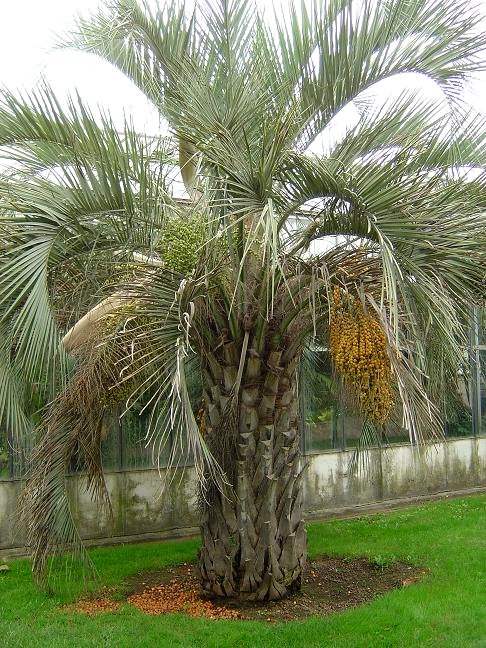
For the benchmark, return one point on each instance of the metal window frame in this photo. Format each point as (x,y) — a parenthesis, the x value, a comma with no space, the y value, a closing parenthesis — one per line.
(10,453)
(475,349)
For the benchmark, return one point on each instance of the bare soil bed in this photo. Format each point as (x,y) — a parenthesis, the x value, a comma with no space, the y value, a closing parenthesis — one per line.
(330,584)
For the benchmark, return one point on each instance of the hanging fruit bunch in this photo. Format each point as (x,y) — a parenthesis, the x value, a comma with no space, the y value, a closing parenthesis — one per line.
(181,242)
(122,273)
(359,352)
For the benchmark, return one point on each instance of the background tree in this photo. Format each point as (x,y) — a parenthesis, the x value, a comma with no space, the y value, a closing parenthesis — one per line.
(96,241)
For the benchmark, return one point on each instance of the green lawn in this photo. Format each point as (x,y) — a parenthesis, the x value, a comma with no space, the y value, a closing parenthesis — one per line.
(447,609)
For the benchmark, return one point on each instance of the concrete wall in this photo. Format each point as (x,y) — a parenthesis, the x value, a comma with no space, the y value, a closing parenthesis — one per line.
(393,473)
(400,471)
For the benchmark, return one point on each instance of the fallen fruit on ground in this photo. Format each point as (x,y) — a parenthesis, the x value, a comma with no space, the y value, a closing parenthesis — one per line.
(177,596)
(330,584)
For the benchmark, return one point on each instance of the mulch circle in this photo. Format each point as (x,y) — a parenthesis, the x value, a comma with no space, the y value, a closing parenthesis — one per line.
(330,584)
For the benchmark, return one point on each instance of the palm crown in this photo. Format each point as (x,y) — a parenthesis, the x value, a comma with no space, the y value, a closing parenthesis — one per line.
(226,275)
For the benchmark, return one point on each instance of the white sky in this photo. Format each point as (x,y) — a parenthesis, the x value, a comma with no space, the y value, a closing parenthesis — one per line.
(28,31)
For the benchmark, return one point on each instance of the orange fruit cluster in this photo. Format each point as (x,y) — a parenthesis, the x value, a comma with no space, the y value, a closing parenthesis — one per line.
(359,353)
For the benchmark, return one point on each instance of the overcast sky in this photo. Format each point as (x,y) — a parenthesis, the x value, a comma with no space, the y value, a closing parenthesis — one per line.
(28,31)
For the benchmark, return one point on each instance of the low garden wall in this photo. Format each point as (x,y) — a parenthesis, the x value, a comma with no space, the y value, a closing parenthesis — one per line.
(139,507)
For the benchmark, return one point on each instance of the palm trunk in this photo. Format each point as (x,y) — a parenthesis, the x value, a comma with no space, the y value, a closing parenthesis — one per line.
(253,535)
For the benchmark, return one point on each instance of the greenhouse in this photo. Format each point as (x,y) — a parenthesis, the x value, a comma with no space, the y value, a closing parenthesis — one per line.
(331,437)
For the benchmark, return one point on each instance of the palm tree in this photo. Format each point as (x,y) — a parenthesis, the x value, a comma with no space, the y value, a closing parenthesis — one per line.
(144,289)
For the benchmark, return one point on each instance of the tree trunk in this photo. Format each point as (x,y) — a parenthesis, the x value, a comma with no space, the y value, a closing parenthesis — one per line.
(253,535)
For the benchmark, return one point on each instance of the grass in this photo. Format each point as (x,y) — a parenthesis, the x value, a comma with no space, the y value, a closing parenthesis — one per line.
(447,609)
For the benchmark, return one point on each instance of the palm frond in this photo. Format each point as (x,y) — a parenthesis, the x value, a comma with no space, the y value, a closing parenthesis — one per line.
(147,46)
(70,435)
(96,176)
(358,46)
(14,410)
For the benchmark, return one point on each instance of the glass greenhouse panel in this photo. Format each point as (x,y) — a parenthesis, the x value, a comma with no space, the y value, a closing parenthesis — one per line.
(482,327)
(352,426)
(110,449)
(482,392)
(133,430)
(4,458)
(318,403)
(460,423)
